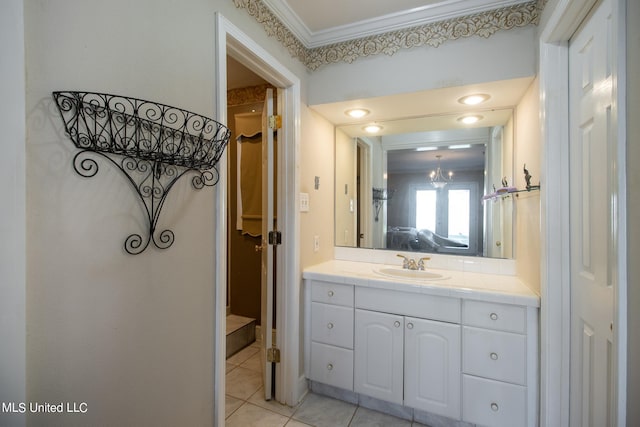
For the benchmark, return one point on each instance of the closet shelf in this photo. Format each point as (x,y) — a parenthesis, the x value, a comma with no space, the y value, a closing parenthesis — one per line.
(153,144)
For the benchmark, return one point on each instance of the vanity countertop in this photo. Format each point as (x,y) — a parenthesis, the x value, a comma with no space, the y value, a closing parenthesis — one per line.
(459,284)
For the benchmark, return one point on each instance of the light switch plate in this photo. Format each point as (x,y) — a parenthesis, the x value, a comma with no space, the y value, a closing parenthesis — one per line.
(304,202)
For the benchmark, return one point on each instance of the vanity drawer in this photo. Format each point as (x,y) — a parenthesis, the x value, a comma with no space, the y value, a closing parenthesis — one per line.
(409,304)
(332,293)
(332,365)
(502,317)
(493,354)
(493,403)
(332,324)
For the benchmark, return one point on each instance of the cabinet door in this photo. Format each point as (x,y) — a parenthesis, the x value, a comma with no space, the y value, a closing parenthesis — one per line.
(432,366)
(378,370)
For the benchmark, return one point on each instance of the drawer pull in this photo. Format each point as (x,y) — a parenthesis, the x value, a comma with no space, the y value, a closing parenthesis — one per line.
(330,325)
(330,368)
(494,407)
(330,293)
(396,324)
(493,316)
(410,325)
(494,356)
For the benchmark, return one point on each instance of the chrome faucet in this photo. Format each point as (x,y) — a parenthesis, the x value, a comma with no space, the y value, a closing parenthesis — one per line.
(421,263)
(411,264)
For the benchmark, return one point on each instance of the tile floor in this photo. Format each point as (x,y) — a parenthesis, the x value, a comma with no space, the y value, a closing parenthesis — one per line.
(245,405)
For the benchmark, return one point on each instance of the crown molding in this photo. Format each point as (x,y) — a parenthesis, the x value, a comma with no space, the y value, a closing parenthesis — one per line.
(427,14)
(431,33)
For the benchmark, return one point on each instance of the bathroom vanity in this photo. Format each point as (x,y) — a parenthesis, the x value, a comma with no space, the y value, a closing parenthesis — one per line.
(459,345)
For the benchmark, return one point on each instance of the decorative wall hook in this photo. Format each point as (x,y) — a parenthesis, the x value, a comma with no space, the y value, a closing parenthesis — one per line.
(153,145)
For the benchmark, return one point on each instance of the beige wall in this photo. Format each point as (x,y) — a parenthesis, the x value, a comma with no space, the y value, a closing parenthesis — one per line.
(345,189)
(527,151)
(132,336)
(316,158)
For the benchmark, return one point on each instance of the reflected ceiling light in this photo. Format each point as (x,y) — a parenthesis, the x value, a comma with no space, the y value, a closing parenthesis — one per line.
(475,99)
(426,148)
(459,146)
(438,180)
(372,128)
(357,113)
(469,120)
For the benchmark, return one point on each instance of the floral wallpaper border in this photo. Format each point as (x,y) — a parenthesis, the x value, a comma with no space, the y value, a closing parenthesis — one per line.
(482,24)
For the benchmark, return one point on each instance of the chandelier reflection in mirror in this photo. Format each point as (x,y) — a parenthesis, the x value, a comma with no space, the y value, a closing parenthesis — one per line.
(152,144)
(438,180)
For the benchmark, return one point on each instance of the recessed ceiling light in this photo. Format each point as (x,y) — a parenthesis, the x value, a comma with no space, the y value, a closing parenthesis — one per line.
(357,113)
(372,128)
(426,148)
(469,120)
(475,99)
(459,146)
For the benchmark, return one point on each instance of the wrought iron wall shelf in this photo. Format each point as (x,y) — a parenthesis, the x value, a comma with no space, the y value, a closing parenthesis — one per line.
(506,190)
(153,144)
(380,195)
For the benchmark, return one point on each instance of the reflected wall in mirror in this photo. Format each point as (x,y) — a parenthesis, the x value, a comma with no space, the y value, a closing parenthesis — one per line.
(385,197)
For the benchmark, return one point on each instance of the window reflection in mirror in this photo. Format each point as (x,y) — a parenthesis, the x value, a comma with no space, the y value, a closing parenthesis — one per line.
(415,215)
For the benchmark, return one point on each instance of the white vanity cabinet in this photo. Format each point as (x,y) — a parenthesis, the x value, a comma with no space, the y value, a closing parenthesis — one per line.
(448,351)
(331,329)
(408,360)
(499,364)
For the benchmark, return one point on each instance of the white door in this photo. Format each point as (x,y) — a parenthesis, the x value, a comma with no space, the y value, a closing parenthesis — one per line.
(268,250)
(593,220)
(432,366)
(378,348)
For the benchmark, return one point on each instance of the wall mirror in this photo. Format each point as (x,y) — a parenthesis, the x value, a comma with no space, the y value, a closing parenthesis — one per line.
(388,197)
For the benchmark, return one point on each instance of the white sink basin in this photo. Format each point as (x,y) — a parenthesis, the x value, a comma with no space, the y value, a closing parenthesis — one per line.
(402,273)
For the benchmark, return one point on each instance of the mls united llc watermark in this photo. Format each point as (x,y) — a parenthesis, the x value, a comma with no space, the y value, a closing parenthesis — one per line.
(44,408)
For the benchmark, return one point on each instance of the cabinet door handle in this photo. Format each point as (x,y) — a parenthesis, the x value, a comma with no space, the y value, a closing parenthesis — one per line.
(330,293)
(330,325)
(396,324)
(330,367)
(494,407)
(409,325)
(493,316)
(494,356)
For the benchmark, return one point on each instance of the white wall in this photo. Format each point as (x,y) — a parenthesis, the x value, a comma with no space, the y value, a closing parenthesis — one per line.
(12,210)
(132,336)
(505,55)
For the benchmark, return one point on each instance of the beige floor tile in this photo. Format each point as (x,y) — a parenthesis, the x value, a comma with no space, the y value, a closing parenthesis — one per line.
(242,383)
(243,355)
(254,362)
(253,416)
(231,404)
(258,400)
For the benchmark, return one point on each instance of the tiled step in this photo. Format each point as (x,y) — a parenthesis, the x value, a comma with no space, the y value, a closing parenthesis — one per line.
(241,332)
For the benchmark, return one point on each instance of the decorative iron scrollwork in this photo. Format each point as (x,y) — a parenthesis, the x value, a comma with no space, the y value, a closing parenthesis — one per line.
(154,145)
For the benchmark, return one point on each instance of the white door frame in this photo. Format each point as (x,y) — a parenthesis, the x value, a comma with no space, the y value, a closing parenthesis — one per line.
(230,39)
(555,262)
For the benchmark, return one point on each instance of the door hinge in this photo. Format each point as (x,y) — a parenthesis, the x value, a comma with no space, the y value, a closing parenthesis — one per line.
(275,122)
(275,237)
(273,355)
